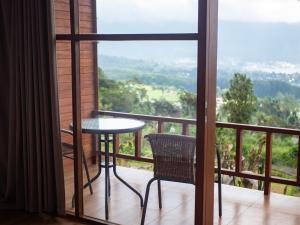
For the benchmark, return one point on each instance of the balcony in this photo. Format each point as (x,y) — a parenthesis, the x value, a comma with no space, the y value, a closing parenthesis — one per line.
(240,205)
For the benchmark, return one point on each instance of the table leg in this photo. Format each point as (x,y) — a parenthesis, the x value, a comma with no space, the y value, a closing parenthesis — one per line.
(106,174)
(116,174)
(99,164)
(96,176)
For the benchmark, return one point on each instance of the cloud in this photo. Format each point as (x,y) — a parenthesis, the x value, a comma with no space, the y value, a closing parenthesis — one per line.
(148,11)
(270,67)
(275,11)
(234,64)
(154,11)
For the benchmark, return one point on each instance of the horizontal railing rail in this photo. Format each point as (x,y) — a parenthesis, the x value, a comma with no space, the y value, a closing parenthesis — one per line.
(267,177)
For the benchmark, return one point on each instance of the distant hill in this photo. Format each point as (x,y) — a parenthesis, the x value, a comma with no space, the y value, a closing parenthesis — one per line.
(151,73)
(181,77)
(263,88)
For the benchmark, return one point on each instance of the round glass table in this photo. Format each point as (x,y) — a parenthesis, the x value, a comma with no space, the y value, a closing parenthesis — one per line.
(105,128)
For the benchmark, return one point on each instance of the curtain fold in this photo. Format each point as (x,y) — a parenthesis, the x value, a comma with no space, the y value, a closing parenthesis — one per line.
(4,84)
(31,166)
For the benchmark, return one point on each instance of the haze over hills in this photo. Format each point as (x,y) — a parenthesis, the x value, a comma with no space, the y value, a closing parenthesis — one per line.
(152,73)
(240,46)
(259,42)
(269,53)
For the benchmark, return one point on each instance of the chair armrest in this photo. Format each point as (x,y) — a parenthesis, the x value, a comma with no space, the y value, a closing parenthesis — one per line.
(65,131)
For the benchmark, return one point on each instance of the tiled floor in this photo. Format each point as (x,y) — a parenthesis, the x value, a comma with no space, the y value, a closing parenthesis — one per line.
(240,206)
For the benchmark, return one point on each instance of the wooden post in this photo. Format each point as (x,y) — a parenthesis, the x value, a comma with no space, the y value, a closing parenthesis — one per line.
(138,144)
(161,126)
(268,167)
(185,129)
(298,164)
(117,138)
(76,109)
(239,153)
(206,111)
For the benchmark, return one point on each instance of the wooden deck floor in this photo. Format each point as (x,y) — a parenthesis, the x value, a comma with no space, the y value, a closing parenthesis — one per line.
(240,206)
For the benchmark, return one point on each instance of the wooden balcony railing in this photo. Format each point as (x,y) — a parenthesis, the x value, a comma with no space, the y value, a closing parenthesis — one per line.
(267,177)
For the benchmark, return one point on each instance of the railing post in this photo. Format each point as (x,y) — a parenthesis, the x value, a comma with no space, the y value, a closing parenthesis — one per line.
(185,129)
(161,126)
(239,154)
(138,144)
(268,167)
(117,144)
(298,164)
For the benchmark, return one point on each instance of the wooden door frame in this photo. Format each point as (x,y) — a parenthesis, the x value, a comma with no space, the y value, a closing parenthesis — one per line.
(206,111)
(206,38)
(76,108)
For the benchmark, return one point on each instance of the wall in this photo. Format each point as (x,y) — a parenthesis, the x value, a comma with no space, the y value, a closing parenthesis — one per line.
(88,66)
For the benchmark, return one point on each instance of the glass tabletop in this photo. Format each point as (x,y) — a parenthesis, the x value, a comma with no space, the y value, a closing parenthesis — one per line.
(111,125)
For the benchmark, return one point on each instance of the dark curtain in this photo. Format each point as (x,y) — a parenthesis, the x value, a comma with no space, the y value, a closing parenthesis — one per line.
(31,170)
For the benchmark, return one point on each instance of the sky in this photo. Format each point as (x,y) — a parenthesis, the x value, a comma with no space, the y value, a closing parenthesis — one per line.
(153,11)
(180,16)
(282,11)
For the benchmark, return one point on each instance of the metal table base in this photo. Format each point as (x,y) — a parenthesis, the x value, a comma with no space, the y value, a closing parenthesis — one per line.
(107,165)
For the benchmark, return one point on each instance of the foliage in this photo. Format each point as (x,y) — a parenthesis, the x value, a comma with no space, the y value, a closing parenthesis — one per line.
(282,111)
(122,96)
(118,96)
(162,107)
(271,88)
(252,160)
(240,105)
(239,100)
(188,101)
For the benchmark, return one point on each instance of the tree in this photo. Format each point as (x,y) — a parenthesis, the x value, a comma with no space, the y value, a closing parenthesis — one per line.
(162,107)
(239,100)
(281,110)
(119,96)
(188,101)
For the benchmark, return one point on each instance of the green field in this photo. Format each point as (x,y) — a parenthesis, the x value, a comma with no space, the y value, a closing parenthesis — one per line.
(156,93)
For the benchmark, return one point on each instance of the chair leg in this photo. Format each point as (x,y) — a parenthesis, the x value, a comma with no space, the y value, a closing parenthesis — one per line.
(146,200)
(219,182)
(159,193)
(220,200)
(108,183)
(87,173)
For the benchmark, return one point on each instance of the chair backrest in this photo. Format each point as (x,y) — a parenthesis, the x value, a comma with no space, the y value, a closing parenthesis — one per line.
(173,157)
(67,148)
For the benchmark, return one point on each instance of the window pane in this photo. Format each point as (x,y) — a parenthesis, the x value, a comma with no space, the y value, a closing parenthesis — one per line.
(144,16)
(158,72)
(142,77)
(259,39)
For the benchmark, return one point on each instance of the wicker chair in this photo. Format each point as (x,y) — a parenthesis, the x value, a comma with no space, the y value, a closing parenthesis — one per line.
(68,152)
(174,160)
